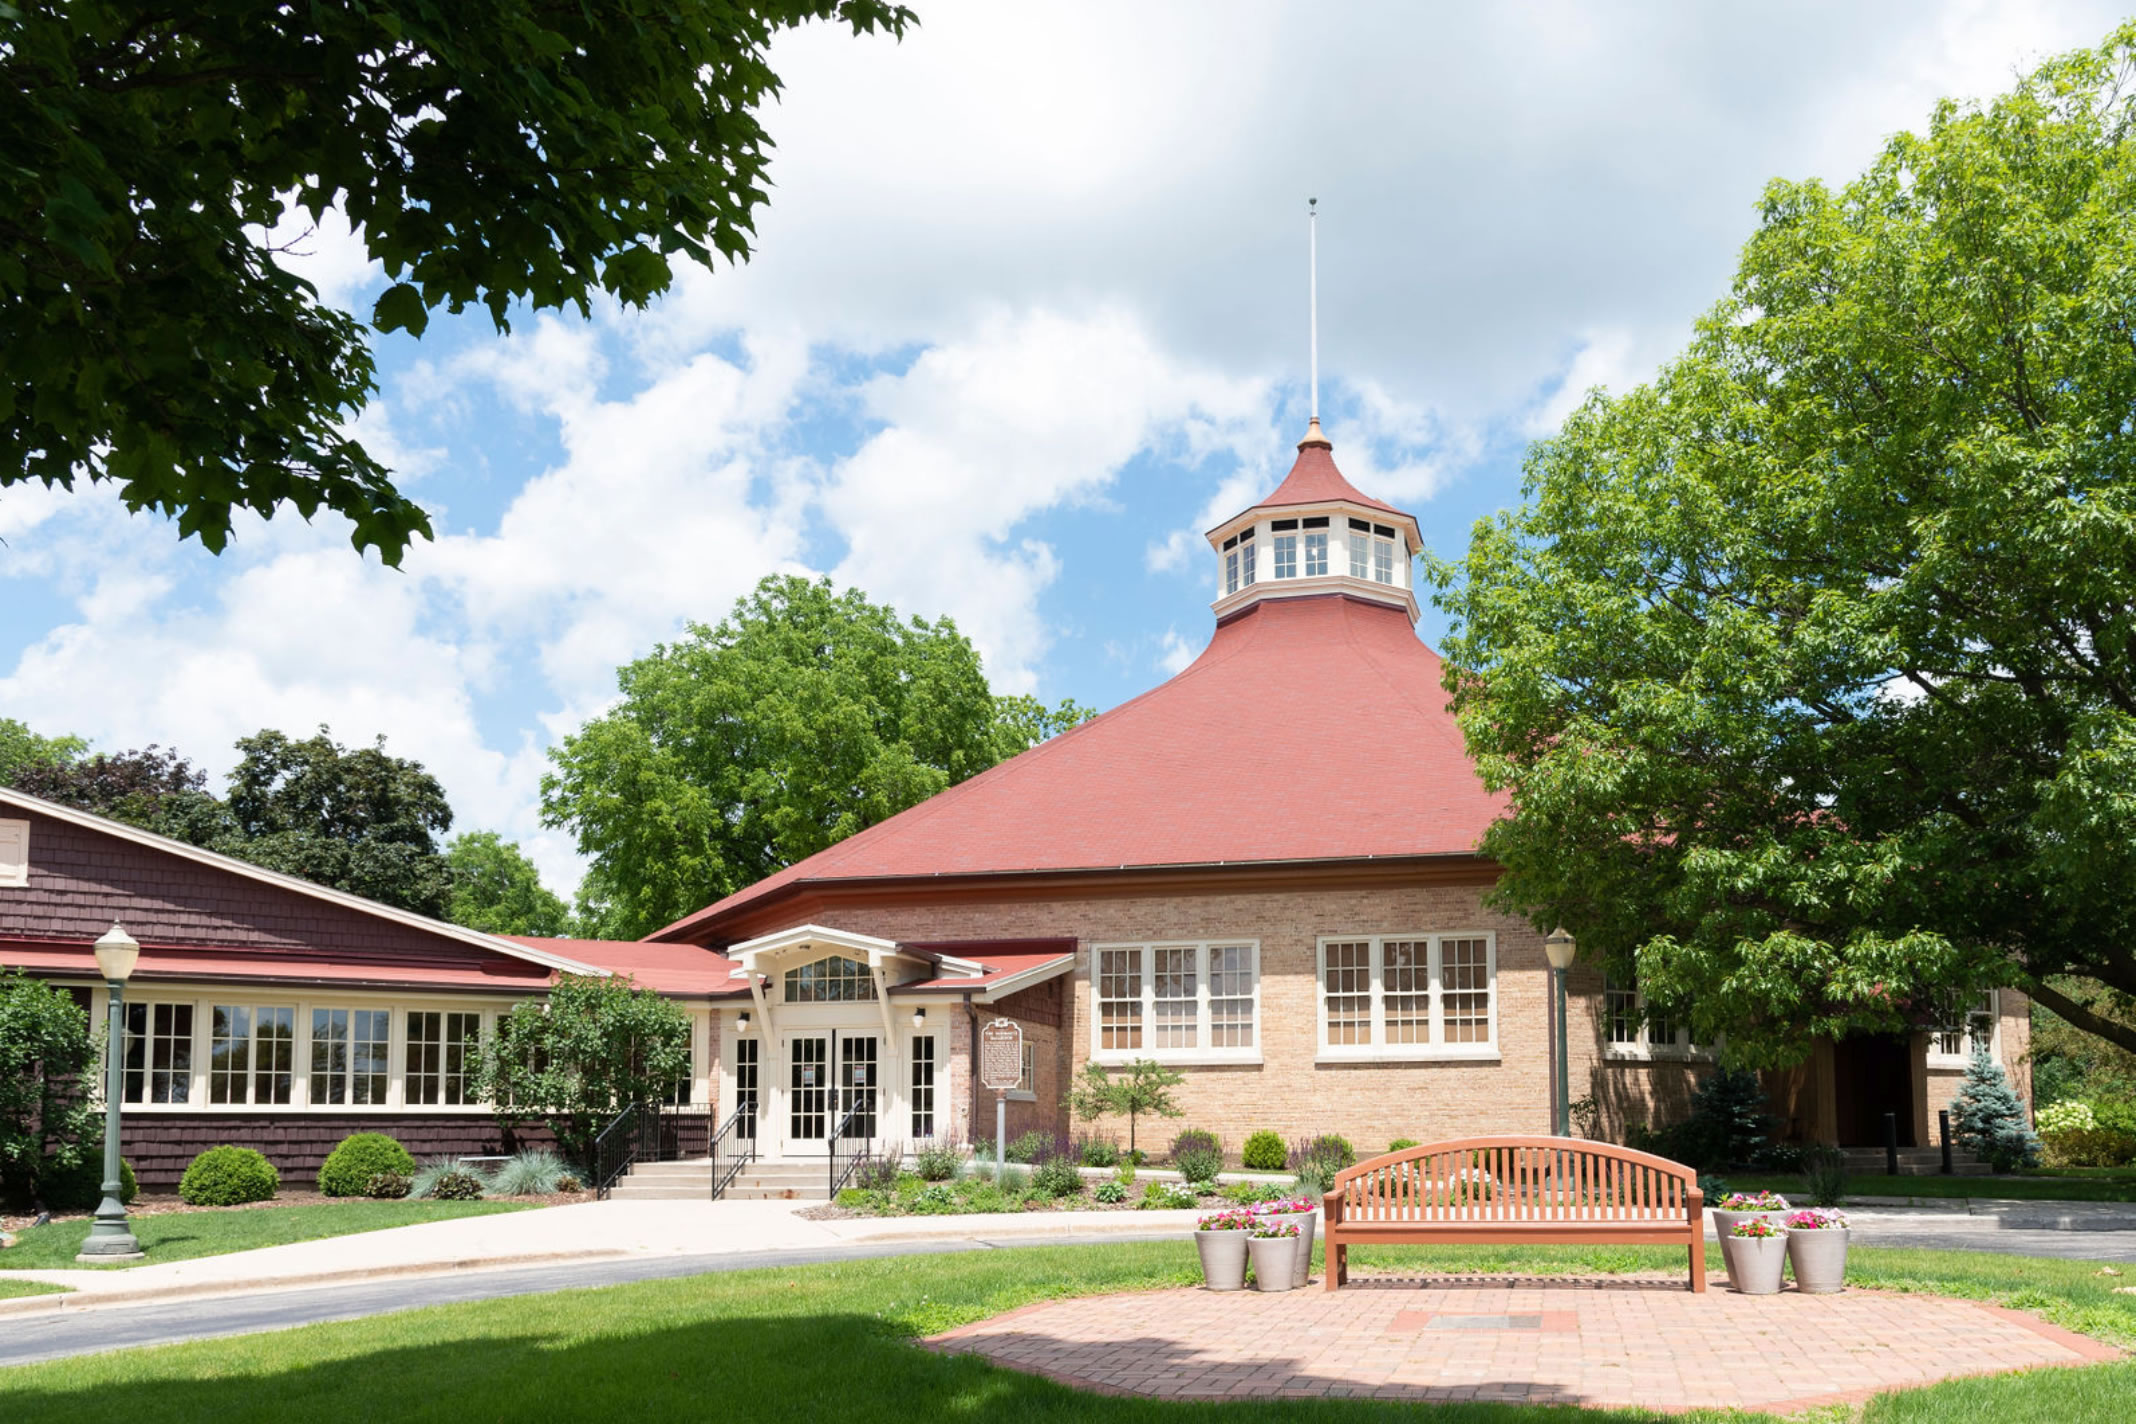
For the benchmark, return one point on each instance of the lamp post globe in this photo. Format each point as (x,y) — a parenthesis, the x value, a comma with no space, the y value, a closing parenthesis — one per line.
(109,1238)
(1559,953)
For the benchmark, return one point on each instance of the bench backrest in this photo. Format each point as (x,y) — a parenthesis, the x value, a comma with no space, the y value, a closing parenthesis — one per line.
(1517,1179)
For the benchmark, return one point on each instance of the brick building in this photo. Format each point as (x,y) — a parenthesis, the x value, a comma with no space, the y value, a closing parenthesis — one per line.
(1262,872)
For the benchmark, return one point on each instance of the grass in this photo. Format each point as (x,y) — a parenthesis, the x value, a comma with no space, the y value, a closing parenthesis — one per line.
(10,1288)
(182,1235)
(835,1341)
(2031,1187)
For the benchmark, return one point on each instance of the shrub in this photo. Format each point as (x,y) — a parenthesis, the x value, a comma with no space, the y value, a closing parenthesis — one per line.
(1988,1117)
(388,1185)
(1195,1139)
(1825,1175)
(2086,1147)
(2070,1116)
(1199,1164)
(1111,1193)
(1780,1157)
(1248,1193)
(228,1176)
(1058,1177)
(1263,1152)
(569,1182)
(424,1181)
(1729,1124)
(349,1168)
(1402,1142)
(879,1172)
(1097,1151)
(457,1185)
(81,1187)
(1033,1146)
(1328,1153)
(533,1173)
(935,1199)
(859,1199)
(1313,1180)
(936,1162)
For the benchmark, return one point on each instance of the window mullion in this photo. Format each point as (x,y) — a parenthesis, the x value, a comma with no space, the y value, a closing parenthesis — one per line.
(1376,1010)
(1435,1029)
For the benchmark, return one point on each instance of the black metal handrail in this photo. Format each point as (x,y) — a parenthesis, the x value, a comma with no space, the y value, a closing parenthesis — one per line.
(843,1162)
(633,1136)
(729,1152)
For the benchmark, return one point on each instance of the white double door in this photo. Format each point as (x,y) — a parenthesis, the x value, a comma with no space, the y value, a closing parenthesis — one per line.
(829,1074)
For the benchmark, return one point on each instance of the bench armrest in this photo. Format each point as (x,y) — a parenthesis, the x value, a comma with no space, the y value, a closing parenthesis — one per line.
(1332,1207)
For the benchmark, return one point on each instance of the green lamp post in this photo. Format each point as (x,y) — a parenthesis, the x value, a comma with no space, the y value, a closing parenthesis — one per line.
(109,1239)
(1559,951)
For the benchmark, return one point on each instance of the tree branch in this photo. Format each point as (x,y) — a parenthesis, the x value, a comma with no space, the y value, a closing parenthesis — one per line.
(2081,1017)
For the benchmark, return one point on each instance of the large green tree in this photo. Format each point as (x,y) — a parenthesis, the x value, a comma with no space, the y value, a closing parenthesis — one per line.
(21,748)
(150,787)
(355,819)
(1808,667)
(805,716)
(515,152)
(573,1060)
(496,889)
(48,1121)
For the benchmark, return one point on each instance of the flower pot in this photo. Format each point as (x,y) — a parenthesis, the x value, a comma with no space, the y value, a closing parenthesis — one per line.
(1273,1257)
(1724,1220)
(1755,1263)
(1305,1255)
(1819,1258)
(1224,1256)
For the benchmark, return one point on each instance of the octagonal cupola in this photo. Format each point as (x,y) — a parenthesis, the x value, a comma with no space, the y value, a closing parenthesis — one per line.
(1316,534)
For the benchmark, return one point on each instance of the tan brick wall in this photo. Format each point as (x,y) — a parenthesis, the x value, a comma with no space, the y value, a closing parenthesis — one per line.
(1289,1091)
(2014,1038)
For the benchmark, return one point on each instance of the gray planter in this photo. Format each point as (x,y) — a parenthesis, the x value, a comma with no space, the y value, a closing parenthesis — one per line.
(1224,1256)
(1755,1263)
(1724,1220)
(1820,1259)
(1273,1257)
(1305,1255)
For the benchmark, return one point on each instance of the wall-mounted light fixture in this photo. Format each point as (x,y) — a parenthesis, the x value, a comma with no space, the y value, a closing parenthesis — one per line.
(920,1018)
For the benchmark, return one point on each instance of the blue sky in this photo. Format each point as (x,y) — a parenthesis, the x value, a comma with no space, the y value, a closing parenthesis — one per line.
(1028,314)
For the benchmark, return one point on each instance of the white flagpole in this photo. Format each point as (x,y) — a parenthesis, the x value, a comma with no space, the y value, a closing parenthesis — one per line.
(1313,324)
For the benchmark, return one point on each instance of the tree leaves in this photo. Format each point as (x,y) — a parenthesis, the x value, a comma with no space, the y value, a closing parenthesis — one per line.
(1809,666)
(512,154)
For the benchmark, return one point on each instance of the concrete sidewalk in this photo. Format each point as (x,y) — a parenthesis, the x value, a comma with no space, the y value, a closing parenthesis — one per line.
(650,1230)
(588,1231)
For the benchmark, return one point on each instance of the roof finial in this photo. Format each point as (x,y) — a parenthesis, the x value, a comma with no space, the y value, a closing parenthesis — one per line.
(1314,435)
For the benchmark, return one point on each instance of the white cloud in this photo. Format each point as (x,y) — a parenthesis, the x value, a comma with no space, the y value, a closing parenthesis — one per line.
(1605,358)
(1176,652)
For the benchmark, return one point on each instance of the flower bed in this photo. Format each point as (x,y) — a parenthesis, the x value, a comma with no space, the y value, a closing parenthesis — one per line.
(976,1192)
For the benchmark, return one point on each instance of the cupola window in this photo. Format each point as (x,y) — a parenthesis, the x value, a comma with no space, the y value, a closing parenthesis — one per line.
(1287,556)
(836,980)
(1361,538)
(1317,547)
(1384,554)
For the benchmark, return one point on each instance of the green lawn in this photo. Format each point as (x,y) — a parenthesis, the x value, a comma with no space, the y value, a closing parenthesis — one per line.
(14,1288)
(2031,1187)
(178,1236)
(835,1342)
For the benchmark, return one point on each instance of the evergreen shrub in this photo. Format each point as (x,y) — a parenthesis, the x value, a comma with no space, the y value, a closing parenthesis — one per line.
(228,1176)
(358,1158)
(81,1188)
(1263,1152)
(1989,1119)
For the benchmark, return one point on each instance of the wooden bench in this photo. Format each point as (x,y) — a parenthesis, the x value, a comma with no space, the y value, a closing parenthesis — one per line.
(1497,1191)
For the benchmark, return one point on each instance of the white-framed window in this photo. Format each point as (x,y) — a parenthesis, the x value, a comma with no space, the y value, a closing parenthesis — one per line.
(922,1097)
(1631,1031)
(1316,551)
(1408,995)
(14,852)
(1178,1002)
(252,1053)
(349,1057)
(834,979)
(444,1049)
(1361,553)
(746,1063)
(1384,561)
(1232,571)
(1284,557)
(1025,1075)
(1953,1045)
(1247,557)
(158,1067)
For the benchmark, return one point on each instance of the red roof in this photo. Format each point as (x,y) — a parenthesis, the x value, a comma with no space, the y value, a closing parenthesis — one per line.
(683,969)
(497,973)
(1311,728)
(1316,480)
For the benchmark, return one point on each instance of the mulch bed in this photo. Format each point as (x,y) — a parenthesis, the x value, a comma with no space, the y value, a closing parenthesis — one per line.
(147,1205)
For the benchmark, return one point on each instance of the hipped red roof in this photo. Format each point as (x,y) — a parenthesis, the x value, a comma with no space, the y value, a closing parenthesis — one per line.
(1311,728)
(682,969)
(1316,480)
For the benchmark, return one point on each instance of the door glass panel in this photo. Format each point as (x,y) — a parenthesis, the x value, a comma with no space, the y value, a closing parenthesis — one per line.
(857,1083)
(746,1087)
(808,1092)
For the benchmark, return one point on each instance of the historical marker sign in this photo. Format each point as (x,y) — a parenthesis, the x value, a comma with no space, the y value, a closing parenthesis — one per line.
(1001,1055)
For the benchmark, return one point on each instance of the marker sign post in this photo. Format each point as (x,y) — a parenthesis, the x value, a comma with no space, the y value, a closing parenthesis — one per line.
(1001,1068)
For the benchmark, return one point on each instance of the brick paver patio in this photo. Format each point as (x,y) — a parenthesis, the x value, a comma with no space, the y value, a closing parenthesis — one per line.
(1615,1342)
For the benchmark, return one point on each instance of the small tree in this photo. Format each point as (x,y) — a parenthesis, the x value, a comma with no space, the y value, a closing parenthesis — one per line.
(575,1059)
(1143,1086)
(1989,1119)
(47,1122)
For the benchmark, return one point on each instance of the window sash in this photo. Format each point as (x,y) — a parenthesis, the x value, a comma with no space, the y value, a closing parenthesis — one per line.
(1361,547)
(158,1049)
(1956,1043)
(1186,1000)
(1232,571)
(921,1097)
(1384,561)
(1409,995)
(1317,553)
(1284,561)
(834,979)
(1630,1031)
